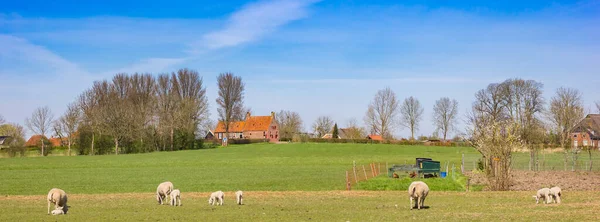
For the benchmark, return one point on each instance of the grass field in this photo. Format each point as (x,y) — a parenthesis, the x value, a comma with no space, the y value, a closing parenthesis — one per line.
(310,206)
(282,182)
(260,167)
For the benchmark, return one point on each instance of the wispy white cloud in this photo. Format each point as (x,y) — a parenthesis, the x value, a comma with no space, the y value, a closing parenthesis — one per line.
(18,49)
(254,21)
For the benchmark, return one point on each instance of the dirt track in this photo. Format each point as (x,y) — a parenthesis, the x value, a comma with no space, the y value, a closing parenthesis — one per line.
(529,180)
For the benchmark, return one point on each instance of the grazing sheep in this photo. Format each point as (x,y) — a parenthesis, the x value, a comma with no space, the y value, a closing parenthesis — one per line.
(163,190)
(58,212)
(543,194)
(239,197)
(175,196)
(216,197)
(417,190)
(59,198)
(555,193)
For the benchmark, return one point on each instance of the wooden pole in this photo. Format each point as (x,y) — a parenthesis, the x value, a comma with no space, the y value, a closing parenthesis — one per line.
(347,181)
(379,172)
(365,171)
(354,169)
(462,164)
(373,169)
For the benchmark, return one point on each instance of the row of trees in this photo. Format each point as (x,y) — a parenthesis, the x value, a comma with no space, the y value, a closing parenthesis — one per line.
(386,113)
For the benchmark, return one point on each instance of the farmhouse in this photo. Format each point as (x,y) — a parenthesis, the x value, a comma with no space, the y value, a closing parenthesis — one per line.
(343,133)
(253,127)
(35,141)
(375,137)
(587,132)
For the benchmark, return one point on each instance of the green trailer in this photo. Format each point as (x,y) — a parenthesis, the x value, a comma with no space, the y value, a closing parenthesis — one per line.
(424,167)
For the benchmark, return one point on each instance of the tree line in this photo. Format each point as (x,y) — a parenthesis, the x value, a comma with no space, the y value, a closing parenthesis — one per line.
(143,113)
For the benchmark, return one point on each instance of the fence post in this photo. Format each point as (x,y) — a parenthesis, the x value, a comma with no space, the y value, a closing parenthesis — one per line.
(386,167)
(373,169)
(462,164)
(354,170)
(347,181)
(365,171)
(379,172)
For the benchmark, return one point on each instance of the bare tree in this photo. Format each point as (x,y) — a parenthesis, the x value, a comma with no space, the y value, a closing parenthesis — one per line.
(143,101)
(88,103)
(289,123)
(230,99)
(445,112)
(598,106)
(2,121)
(116,109)
(524,103)
(566,110)
(382,112)
(354,131)
(166,102)
(412,114)
(40,122)
(68,124)
(191,102)
(322,125)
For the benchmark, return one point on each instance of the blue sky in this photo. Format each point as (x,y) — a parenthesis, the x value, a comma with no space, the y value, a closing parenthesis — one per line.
(313,57)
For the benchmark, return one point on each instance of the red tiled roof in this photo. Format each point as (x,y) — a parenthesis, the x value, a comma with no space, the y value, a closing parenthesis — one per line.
(375,137)
(258,123)
(234,127)
(252,123)
(34,140)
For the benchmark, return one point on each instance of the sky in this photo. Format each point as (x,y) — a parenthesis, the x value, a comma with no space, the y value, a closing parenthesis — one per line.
(313,57)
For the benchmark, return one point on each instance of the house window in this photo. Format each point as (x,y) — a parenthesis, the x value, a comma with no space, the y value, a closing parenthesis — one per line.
(575,136)
(585,142)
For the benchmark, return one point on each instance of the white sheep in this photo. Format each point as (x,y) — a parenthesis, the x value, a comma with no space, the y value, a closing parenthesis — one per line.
(417,190)
(162,191)
(58,212)
(543,194)
(239,197)
(59,198)
(176,197)
(555,194)
(216,198)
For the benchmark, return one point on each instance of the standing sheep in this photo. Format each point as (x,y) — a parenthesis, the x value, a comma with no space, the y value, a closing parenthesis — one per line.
(175,197)
(417,190)
(543,194)
(59,198)
(163,190)
(555,193)
(216,197)
(239,197)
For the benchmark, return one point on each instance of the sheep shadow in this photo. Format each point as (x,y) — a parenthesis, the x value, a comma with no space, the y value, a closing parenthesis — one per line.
(422,207)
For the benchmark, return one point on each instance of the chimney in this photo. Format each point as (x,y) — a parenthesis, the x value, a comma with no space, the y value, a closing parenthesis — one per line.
(247,115)
(273,114)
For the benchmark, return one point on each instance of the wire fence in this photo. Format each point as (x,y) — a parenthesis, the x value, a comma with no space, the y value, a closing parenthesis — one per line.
(364,172)
(542,161)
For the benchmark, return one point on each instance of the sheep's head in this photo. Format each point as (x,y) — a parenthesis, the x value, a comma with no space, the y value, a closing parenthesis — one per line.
(211,200)
(57,212)
(158,198)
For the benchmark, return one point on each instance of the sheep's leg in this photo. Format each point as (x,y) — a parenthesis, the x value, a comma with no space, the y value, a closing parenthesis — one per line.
(48,207)
(418,203)
(411,202)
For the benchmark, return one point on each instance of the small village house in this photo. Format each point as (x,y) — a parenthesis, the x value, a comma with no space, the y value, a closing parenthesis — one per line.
(587,132)
(252,127)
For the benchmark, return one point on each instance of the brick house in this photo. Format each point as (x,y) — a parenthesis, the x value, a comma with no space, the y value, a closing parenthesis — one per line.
(253,127)
(587,132)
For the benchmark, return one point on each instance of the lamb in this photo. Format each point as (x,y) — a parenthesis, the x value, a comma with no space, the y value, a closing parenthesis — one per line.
(544,194)
(58,212)
(417,190)
(163,190)
(216,197)
(59,198)
(175,196)
(239,197)
(555,194)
